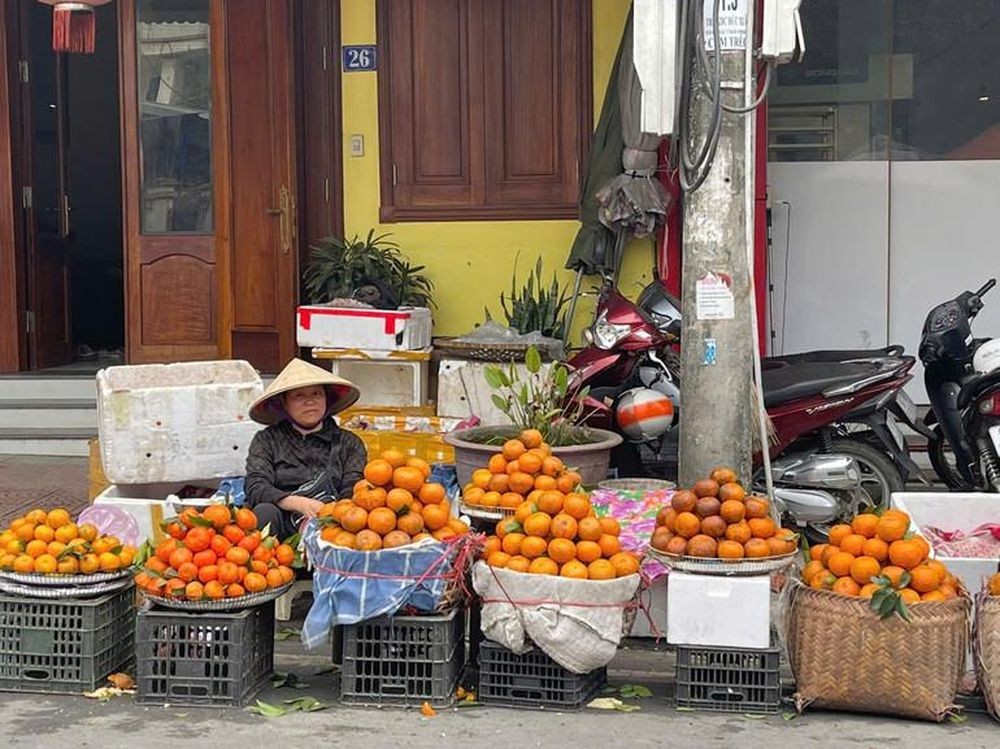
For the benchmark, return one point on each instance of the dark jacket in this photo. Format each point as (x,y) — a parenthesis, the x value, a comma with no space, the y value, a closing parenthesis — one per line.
(282,461)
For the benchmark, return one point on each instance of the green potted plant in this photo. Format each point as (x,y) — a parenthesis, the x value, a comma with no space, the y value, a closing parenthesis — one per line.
(537,397)
(535,307)
(337,268)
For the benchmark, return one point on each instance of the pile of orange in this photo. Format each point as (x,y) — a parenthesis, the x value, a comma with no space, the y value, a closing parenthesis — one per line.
(51,543)
(392,506)
(523,469)
(213,554)
(717,519)
(559,534)
(877,551)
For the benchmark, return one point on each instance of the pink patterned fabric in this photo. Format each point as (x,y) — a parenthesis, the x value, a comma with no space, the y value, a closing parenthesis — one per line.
(980,543)
(636,513)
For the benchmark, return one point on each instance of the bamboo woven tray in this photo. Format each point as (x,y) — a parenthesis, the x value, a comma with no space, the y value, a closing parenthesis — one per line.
(723,567)
(223,604)
(490,352)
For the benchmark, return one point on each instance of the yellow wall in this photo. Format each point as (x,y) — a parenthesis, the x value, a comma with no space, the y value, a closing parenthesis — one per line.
(469,262)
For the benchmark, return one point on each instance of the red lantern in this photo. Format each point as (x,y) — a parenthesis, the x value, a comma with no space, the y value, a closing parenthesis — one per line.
(73,24)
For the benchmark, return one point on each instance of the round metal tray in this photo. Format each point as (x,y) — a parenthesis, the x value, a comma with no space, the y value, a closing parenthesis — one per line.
(222,604)
(79,591)
(723,567)
(36,579)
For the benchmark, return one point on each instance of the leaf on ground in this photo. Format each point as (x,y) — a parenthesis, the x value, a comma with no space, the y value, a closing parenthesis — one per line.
(280,679)
(267,709)
(752,716)
(287,632)
(427,711)
(636,691)
(181,715)
(957,718)
(612,703)
(789,715)
(469,703)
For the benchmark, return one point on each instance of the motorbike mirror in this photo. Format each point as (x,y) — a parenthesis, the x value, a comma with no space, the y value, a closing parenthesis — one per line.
(986,287)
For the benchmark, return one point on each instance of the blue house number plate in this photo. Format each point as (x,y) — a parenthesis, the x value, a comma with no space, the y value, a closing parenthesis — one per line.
(359,57)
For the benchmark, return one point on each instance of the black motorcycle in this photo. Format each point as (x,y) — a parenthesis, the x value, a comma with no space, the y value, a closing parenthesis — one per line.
(964,392)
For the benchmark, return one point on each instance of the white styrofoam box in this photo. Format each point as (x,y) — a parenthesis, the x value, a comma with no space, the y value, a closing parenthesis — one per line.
(176,422)
(462,390)
(655,599)
(385,382)
(726,612)
(954,512)
(407,328)
(149,504)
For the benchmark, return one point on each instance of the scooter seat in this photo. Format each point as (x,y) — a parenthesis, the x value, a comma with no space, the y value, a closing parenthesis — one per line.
(810,379)
(976,386)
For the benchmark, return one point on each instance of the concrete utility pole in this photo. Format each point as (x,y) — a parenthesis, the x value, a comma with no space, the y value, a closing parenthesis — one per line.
(716,342)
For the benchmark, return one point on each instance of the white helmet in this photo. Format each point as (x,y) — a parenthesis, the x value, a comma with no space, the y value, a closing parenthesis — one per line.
(987,357)
(644,414)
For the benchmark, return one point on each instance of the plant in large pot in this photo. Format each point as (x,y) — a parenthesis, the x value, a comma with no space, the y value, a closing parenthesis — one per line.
(537,397)
(372,270)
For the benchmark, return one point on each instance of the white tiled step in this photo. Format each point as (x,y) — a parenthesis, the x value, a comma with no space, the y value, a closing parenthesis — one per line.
(31,387)
(55,441)
(48,414)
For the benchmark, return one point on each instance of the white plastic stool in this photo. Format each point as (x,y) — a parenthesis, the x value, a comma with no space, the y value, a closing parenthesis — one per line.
(283,603)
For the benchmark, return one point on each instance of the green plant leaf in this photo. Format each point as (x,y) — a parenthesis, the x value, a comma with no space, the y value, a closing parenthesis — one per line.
(267,709)
(532,360)
(499,402)
(492,375)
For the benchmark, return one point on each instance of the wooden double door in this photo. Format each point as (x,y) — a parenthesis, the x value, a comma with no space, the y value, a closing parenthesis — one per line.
(224,123)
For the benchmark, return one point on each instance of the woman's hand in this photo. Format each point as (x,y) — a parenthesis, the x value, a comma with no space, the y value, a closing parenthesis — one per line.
(306,506)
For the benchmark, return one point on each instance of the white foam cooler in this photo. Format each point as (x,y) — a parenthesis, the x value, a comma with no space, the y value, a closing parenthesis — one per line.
(404,329)
(176,422)
(716,611)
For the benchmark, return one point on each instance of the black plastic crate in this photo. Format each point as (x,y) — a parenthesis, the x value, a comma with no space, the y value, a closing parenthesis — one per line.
(533,680)
(66,645)
(403,660)
(203,659)
(731,680)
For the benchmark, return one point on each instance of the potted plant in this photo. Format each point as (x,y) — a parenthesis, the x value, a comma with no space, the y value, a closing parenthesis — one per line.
(338,268)
(535,308)
(537,398)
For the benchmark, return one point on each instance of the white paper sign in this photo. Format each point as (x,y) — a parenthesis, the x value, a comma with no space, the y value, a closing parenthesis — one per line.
(714,298)
(732,24)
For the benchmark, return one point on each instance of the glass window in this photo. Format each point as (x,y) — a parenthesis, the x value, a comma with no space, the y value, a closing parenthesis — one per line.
(175,103)
(834,104)
(947,52)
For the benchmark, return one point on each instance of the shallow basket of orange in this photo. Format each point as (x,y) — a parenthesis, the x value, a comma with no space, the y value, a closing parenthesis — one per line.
(875,625)
(716,528)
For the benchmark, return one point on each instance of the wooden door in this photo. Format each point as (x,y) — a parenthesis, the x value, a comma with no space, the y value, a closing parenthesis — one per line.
(13,347)
(264,265)
(46,196)
(174,160)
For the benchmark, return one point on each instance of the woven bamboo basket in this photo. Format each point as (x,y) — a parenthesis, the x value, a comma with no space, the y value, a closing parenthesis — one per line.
(986,650)
(845,658)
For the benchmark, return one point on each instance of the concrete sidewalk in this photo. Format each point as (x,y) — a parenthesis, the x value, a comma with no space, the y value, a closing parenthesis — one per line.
(28,481)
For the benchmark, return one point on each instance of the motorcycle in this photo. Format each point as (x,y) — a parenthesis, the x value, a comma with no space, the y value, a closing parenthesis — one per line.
(962,376)
(837,443)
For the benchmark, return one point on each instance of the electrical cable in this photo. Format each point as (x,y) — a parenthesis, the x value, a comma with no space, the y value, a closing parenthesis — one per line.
(760,98)
(694,168)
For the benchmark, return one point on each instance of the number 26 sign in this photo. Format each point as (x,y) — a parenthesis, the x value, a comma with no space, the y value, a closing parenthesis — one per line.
(359,58)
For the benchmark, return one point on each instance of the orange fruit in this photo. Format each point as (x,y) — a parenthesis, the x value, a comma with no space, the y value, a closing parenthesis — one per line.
(609,545)
(867,591)
(518,563)
(234,534)
(665,518)
(220,545)
(500,483)
(218,516)
(939,568)
(757,548)
(497,464)
(739,532)
(934,595)
(194,591)
(366,540)
(492,543)
(601,569)
(45,533)
(758,507)
(382,520)
(198,539)
(846,586)
(538,524)
(511,500)
(543,566)
(551,502)
(574,569)
(420,464)
(204,558)
(208,573)
(521,482)
(561,550)
(730,550)
(865,524)
(895,574)
(287,574)
(563,526)
(36,548)
(533,547)
(236,554)
(576,506)
(810,570)
(552,466)
(354,519)
(588,551)
(274,578)
(395,458)
(491,499)
(733,511)
(89,564)
(838,533)
(513,449)
(46,564)
(687,524)
(472,495)
(432,494)
(24,564)
(254,583)
(840,563)
(853,544)
(228,572)
(508,525)
(435,517)
(498,559)
(512,543)
(371,499)
(624,563)
(875,548)
(530,438)
(36,516)
(546,483)
(924,579)
(512,467)
(26,532)
(863,569)
(892,527)
(661,539)
(906,553)
(246,520)
(87,531)
(524,511)
(57,518)
(610,526)
(213,589)
(530,464)
(761,527)
(111,563)
(186,572)
(909,595)
(589,529)
(701,546)
(379,473)
(823,581)
(481,478)
(235,590)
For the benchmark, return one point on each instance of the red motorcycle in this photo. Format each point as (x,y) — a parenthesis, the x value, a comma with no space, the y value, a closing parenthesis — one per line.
(836,414)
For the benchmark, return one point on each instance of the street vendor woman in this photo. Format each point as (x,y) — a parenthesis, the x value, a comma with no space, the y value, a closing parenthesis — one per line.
(302,458)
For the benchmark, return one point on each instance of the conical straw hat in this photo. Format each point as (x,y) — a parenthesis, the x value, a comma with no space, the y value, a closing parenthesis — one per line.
(268,409)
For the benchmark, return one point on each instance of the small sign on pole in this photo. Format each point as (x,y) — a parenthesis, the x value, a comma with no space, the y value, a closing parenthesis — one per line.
(359,58)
